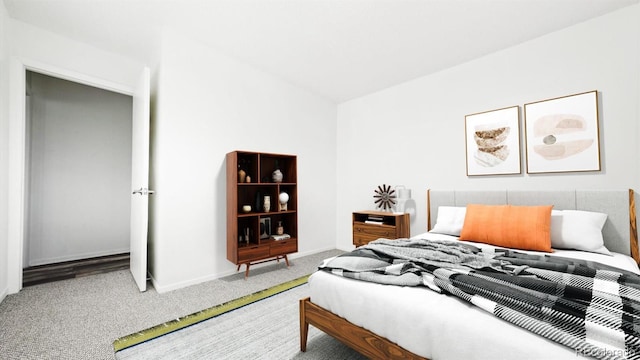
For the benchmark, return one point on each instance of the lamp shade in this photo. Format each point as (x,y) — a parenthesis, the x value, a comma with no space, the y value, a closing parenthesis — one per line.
(403,194)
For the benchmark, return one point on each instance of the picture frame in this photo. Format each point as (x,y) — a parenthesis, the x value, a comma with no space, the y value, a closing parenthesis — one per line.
(265,227)
(492,142)
(563,134)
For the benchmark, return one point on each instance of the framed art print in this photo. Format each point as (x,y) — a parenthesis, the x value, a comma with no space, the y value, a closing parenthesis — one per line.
(493,142)
(562,134)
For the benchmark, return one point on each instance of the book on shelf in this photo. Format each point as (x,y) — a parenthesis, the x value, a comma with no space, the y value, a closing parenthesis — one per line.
(374,222)
(280,237)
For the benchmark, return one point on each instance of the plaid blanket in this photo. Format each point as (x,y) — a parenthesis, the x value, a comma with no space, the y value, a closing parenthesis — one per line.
(585,305)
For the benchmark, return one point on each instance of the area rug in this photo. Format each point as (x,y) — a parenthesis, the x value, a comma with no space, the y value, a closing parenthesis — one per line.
(262,330)
(191,319)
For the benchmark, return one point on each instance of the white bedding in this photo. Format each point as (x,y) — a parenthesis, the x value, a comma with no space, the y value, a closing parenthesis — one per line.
(438,326)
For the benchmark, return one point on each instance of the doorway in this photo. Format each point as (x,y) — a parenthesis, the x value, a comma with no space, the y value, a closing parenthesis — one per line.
(78,171)
(139,89)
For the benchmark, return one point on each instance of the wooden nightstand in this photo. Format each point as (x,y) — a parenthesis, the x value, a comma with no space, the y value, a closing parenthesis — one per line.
(372,225)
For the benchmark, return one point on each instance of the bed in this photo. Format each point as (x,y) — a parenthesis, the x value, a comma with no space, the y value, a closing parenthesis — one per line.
(403,322)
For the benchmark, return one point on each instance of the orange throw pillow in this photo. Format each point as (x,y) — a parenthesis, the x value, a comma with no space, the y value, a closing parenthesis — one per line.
(517,227)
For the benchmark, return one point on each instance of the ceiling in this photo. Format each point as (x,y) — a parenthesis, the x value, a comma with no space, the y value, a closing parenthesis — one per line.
(338,49)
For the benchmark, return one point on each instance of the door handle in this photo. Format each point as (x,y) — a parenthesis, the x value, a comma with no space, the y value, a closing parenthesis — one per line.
(143,191)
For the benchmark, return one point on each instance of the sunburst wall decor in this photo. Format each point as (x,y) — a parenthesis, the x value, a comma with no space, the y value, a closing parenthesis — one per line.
(384,197)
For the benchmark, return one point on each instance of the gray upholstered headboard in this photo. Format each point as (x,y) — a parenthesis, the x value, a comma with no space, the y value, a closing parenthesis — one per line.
(619,232)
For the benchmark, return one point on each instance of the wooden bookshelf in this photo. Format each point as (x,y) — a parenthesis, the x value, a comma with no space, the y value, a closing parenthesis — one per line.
(249,233)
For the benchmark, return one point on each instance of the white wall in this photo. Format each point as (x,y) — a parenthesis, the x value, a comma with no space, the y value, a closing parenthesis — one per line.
(208,104)
(79,173)
(4,148)
(413,134)
(38,46)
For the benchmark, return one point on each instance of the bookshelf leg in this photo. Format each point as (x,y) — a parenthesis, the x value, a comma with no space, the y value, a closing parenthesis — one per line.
(246,272)
(286,259)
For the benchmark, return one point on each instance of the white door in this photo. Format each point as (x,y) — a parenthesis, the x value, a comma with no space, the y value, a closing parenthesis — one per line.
(139,180)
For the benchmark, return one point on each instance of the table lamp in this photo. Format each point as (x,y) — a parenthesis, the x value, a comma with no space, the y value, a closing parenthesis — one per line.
(403,195)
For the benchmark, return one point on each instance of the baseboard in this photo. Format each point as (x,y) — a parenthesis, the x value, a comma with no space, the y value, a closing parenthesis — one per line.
(179,285)
(312,252)
(347,248)
(4,294)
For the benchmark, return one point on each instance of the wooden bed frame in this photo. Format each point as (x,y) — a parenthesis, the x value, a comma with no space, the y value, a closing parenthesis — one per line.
(362,340)
(374,346)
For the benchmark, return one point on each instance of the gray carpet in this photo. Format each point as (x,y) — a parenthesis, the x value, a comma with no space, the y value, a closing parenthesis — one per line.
(269,330)
(80,318)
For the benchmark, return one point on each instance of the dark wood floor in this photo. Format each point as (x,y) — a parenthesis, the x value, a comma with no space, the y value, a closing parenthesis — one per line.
(73,269)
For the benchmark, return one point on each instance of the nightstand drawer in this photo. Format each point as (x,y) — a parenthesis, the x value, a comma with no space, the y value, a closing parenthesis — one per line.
(253,252)
(283,247)
(359,240)
(376,231)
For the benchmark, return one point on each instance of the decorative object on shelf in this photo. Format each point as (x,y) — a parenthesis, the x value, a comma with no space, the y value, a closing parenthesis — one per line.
(266,203)
(246,208)
(277,176)
(562,134)
(384,197)
(258,201)
(283,198)
(242,175)
(265,228)
(404,195)
(247,179)
(493,142)
(279,228)
(246,235)
(281,237)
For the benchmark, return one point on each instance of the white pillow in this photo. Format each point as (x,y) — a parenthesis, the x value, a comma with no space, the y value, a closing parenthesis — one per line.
(579,230)
(450,220)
